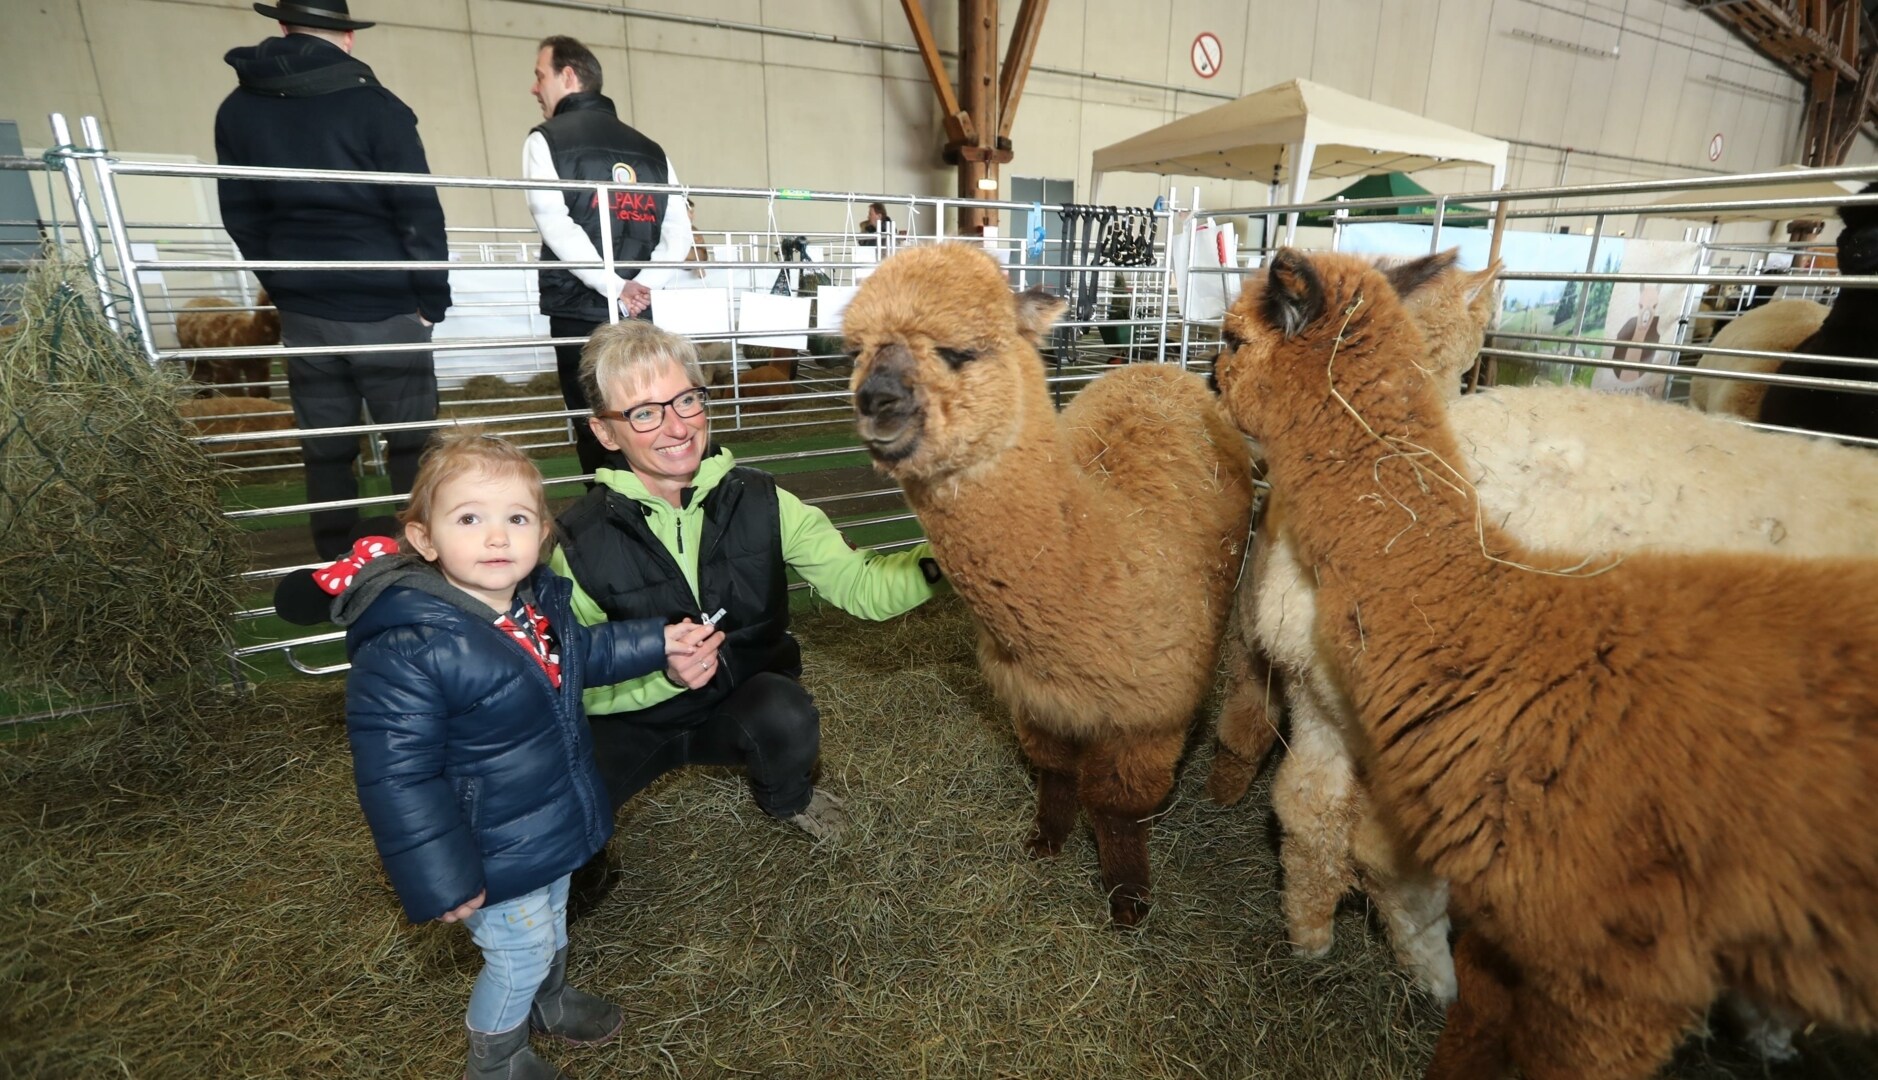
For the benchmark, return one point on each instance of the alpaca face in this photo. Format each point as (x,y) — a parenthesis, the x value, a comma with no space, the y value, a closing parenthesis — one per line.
(942,351)
(1306,326)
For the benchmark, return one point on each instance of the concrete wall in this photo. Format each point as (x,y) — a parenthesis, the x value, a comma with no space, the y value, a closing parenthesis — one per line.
(742,109)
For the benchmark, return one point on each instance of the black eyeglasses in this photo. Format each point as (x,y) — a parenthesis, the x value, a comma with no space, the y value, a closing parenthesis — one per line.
(649,416)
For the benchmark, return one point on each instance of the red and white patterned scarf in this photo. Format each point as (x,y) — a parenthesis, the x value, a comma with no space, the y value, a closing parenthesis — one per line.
(530,630)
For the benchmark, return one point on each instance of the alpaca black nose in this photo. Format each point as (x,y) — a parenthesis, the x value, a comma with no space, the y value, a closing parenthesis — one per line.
(884,392)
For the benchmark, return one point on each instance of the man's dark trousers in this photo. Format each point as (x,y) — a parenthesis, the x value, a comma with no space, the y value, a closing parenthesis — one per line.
(398,388)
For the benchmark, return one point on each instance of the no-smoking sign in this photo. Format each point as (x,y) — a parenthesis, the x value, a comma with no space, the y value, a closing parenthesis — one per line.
(1206,55)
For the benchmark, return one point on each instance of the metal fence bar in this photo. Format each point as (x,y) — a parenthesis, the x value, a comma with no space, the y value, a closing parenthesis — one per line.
(87,226)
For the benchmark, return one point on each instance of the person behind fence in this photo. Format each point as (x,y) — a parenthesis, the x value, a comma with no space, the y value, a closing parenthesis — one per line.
(681,530)
(877,225)
(304,102)
(471,755)
(581,138)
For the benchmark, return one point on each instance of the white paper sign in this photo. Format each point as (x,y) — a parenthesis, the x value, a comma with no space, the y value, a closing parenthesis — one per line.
(692,312)
(832,301)
(763,311)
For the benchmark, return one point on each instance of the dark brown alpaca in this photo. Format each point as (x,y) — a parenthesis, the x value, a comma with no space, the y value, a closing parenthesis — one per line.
(1647,783)
(1097,549)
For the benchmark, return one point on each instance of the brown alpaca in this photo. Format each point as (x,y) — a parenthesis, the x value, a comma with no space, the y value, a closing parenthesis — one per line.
(205,324)
(1647,782)
(1097,549)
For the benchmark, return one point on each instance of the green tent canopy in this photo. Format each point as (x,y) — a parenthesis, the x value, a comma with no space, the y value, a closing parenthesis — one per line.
(1395,185)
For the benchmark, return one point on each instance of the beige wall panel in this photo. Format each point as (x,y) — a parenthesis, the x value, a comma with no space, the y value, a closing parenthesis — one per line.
(1696,105)
(160,68)
(1225,20)
(1456,61)
(1549,81)
(506,111)
(1582,110)
(1630,75)
(1404,42)
(943,17)
(845,18)
(822,131)
(1280,38)
(45,67)
(1047,140)
(434,72)
(1120,38)
(1655,117)
(1501,98)
(1347,35)
(1746,147)
(1103,126)
(534,22)
(416,14)
(709,117)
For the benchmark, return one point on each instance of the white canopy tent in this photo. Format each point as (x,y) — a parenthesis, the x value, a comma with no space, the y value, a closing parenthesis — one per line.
(1296,131)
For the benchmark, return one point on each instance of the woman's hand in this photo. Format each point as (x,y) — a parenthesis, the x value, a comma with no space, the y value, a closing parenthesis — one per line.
(465,910)
(691,653)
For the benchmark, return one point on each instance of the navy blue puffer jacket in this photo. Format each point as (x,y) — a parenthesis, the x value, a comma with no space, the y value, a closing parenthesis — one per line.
(476,774)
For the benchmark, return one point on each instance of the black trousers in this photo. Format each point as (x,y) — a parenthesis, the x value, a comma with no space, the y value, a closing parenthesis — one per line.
(769,726)
(398,387)
(567,366)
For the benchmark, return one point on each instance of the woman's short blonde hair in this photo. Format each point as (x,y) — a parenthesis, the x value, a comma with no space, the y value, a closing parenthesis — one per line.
(632,353)
(452,452)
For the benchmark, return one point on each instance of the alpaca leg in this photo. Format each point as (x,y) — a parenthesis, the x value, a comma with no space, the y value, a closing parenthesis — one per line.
(1055,760)
(1248,721)
(1473,1044)
(1592,1032)
(1314,795)
(1413,903)
(1122,783)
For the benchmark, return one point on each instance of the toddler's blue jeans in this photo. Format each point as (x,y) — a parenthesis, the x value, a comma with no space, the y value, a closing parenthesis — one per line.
(518,938)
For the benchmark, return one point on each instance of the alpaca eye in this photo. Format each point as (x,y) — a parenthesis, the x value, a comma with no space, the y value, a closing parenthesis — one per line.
(957,358)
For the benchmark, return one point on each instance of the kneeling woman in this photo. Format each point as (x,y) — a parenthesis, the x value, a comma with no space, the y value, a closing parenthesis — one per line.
(677,529)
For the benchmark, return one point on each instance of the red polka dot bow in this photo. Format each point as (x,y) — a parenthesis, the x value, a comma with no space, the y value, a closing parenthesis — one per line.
(337,578)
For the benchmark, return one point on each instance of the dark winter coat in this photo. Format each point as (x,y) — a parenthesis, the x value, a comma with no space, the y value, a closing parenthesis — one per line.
(303,103)
(476,774)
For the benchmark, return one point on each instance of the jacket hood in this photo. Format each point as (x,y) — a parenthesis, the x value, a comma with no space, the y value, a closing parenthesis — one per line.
(297,65)
(353,608)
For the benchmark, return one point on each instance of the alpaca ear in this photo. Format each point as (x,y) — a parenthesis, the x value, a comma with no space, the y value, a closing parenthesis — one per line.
(1406,277)
(1037,312)
(1482,292)
(1294,294)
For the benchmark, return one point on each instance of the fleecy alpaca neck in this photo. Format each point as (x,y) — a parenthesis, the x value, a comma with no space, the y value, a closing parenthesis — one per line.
(994,521)
(1392,537)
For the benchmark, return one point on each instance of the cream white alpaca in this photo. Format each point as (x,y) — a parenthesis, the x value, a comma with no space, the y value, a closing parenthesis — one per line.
(1555,467)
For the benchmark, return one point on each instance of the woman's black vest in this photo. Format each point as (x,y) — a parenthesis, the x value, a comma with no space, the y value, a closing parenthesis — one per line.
(588,142)
(613,554)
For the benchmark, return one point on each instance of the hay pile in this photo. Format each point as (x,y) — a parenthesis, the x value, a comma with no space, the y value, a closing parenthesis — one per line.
(203,900)
(116,564)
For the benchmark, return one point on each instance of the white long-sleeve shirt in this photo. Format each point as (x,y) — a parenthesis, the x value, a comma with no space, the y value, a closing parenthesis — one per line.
(570,242)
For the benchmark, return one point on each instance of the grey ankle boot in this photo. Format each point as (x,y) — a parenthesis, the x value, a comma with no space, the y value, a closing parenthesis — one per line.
(570,1014)
(505,1055)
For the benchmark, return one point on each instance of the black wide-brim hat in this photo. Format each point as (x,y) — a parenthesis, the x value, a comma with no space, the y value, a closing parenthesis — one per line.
(320,14)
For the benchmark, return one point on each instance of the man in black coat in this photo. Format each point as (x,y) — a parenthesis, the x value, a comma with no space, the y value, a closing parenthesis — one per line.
(581,137)
(303,102)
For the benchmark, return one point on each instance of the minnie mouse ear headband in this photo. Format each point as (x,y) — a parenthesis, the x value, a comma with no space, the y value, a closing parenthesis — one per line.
(305,597)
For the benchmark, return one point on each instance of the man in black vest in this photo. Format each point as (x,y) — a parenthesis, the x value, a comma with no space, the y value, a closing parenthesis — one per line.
(581,137)
(304,103)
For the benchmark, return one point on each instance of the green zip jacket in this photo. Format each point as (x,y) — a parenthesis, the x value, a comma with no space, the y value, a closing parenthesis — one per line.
(863,583)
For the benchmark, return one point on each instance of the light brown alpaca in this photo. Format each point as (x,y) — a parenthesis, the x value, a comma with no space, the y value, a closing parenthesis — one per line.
(1097,549)
(1647,782)
(205,323)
